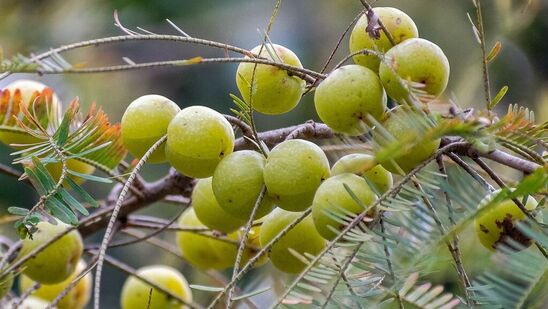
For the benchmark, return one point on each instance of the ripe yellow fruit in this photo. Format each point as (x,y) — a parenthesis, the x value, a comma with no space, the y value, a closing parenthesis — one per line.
(303,238)
(364,165)
(58,261)
(347,96)
(32,302)
(136,293)
(144,122)
(498,224)
(415,60)
(77,298)
(398,24)
(400,124)
(198,138)
(332,197)
(275,91)
(28,89)
(208,210)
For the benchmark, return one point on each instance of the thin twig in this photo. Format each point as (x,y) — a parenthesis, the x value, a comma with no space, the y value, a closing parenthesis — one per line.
(386,32)
(470,171)
(486,83)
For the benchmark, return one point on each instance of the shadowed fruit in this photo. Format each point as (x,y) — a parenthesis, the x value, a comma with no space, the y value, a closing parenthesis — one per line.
(294,170)
(77,298)
(136,293)
(144,122)
(333,198)
(208,210)
(497,225)
(365,165)
(417,61)
(56,262)
(6,282)
(237,183)
(345,98)
(198,138)
(398,24)
(275,91)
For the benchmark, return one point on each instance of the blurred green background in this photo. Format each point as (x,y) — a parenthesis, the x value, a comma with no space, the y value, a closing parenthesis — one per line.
(309,27)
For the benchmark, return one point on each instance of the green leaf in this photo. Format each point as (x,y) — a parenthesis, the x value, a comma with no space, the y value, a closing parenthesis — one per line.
(35,181)
(18,211)
(90,177)
(62,133)
(496,100)
(72,202)
(250,294)
(494,52)
(60,211)
(531,184)
(206,288)
(82,193)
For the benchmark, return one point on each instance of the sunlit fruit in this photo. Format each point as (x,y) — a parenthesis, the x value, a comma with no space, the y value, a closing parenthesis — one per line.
(294,170)
(398,24)
(136,293)
(198,138)
(144,122)
(77,297)
(418,61)
(497,226)
(57,261)
(403,125)
(334,199)
(347,96)
(302,238)
(379,179)
(275,91)
(28,89)
(237,183)
(32,302)
(6,282)
(227,251)
(208,210)
(195,248)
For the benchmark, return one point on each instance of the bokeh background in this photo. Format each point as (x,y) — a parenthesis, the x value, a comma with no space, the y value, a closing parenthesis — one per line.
(309,27)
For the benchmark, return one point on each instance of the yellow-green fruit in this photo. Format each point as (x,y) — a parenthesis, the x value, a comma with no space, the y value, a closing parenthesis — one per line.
(28,89)
(401,125)
(196,248)
(227,251)
(294,170)
(398,24)
(198,138)
(58,261)
(302,238)
(136,293)
(275,91)
(144,122)
(237,183)
(55,170)
(32,302)
(497,225)
(6,282)
(417,61)
(77,297)
(332,198)
(347,96)
(208,210)
(365,165)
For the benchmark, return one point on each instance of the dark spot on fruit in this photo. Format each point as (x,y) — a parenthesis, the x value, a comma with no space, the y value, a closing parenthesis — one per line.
(510,231)
(483,229)
(230,201)
(398,20)
(222,153)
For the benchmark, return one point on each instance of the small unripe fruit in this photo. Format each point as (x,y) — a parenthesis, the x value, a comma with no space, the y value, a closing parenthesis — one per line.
(398,24)
(345,98)
(32,302)
(332,197)
(56,262)
(400,124)
(237,183)
(196,248)
(27,88)
(144,122)
(136,293)
(365,165)
(303,238)
(198,138)
(415,60)
(77,297)
(294,170)
(275,91)
(208,210)
(497,225)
